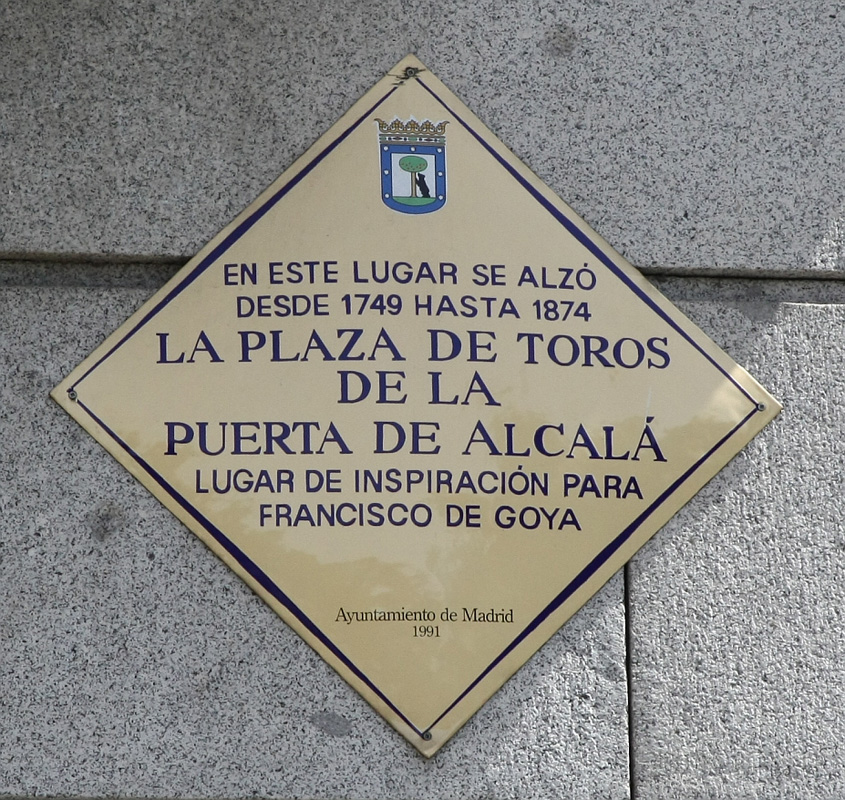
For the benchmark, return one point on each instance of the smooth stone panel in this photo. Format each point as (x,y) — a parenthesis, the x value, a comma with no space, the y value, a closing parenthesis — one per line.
(133,663)
(693,135)
(737,646)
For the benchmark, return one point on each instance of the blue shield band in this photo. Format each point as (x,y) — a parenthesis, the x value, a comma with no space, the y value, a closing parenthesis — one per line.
(405,187)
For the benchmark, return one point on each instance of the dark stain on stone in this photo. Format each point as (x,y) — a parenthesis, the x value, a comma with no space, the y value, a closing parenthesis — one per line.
(106,519)
(561,41)
(332,724)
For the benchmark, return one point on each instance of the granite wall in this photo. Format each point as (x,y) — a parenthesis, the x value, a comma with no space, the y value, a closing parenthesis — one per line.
(702,139)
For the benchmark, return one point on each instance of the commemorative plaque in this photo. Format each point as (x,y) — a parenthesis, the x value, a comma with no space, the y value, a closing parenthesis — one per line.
(417,404)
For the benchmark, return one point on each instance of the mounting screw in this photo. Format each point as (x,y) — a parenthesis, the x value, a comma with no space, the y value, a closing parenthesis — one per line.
(761,406)
(72,395)
(427,736)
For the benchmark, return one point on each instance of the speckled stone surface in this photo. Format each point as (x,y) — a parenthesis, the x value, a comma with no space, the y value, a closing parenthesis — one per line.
(737,605)
(134,664)
(693,135)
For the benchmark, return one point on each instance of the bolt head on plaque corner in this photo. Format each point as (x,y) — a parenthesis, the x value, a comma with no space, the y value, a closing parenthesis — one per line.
(417,404)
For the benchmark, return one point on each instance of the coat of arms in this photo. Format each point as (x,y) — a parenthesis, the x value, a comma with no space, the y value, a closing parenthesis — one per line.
(413,165)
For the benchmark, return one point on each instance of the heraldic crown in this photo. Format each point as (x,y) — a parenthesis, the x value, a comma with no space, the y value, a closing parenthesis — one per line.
(412,131)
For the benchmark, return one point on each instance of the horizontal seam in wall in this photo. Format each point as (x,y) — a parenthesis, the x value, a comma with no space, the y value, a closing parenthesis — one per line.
(11,259)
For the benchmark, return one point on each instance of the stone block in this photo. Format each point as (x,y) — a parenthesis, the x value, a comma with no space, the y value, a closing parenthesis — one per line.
(736,606)
(134,664)
(694,136)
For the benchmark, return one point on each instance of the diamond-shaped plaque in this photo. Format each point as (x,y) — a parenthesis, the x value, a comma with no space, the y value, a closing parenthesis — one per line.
(416,404)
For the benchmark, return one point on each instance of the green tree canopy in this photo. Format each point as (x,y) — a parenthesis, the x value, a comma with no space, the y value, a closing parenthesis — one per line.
(413,163)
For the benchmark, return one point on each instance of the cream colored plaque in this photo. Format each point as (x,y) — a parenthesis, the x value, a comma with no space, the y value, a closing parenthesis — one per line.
(416,404)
